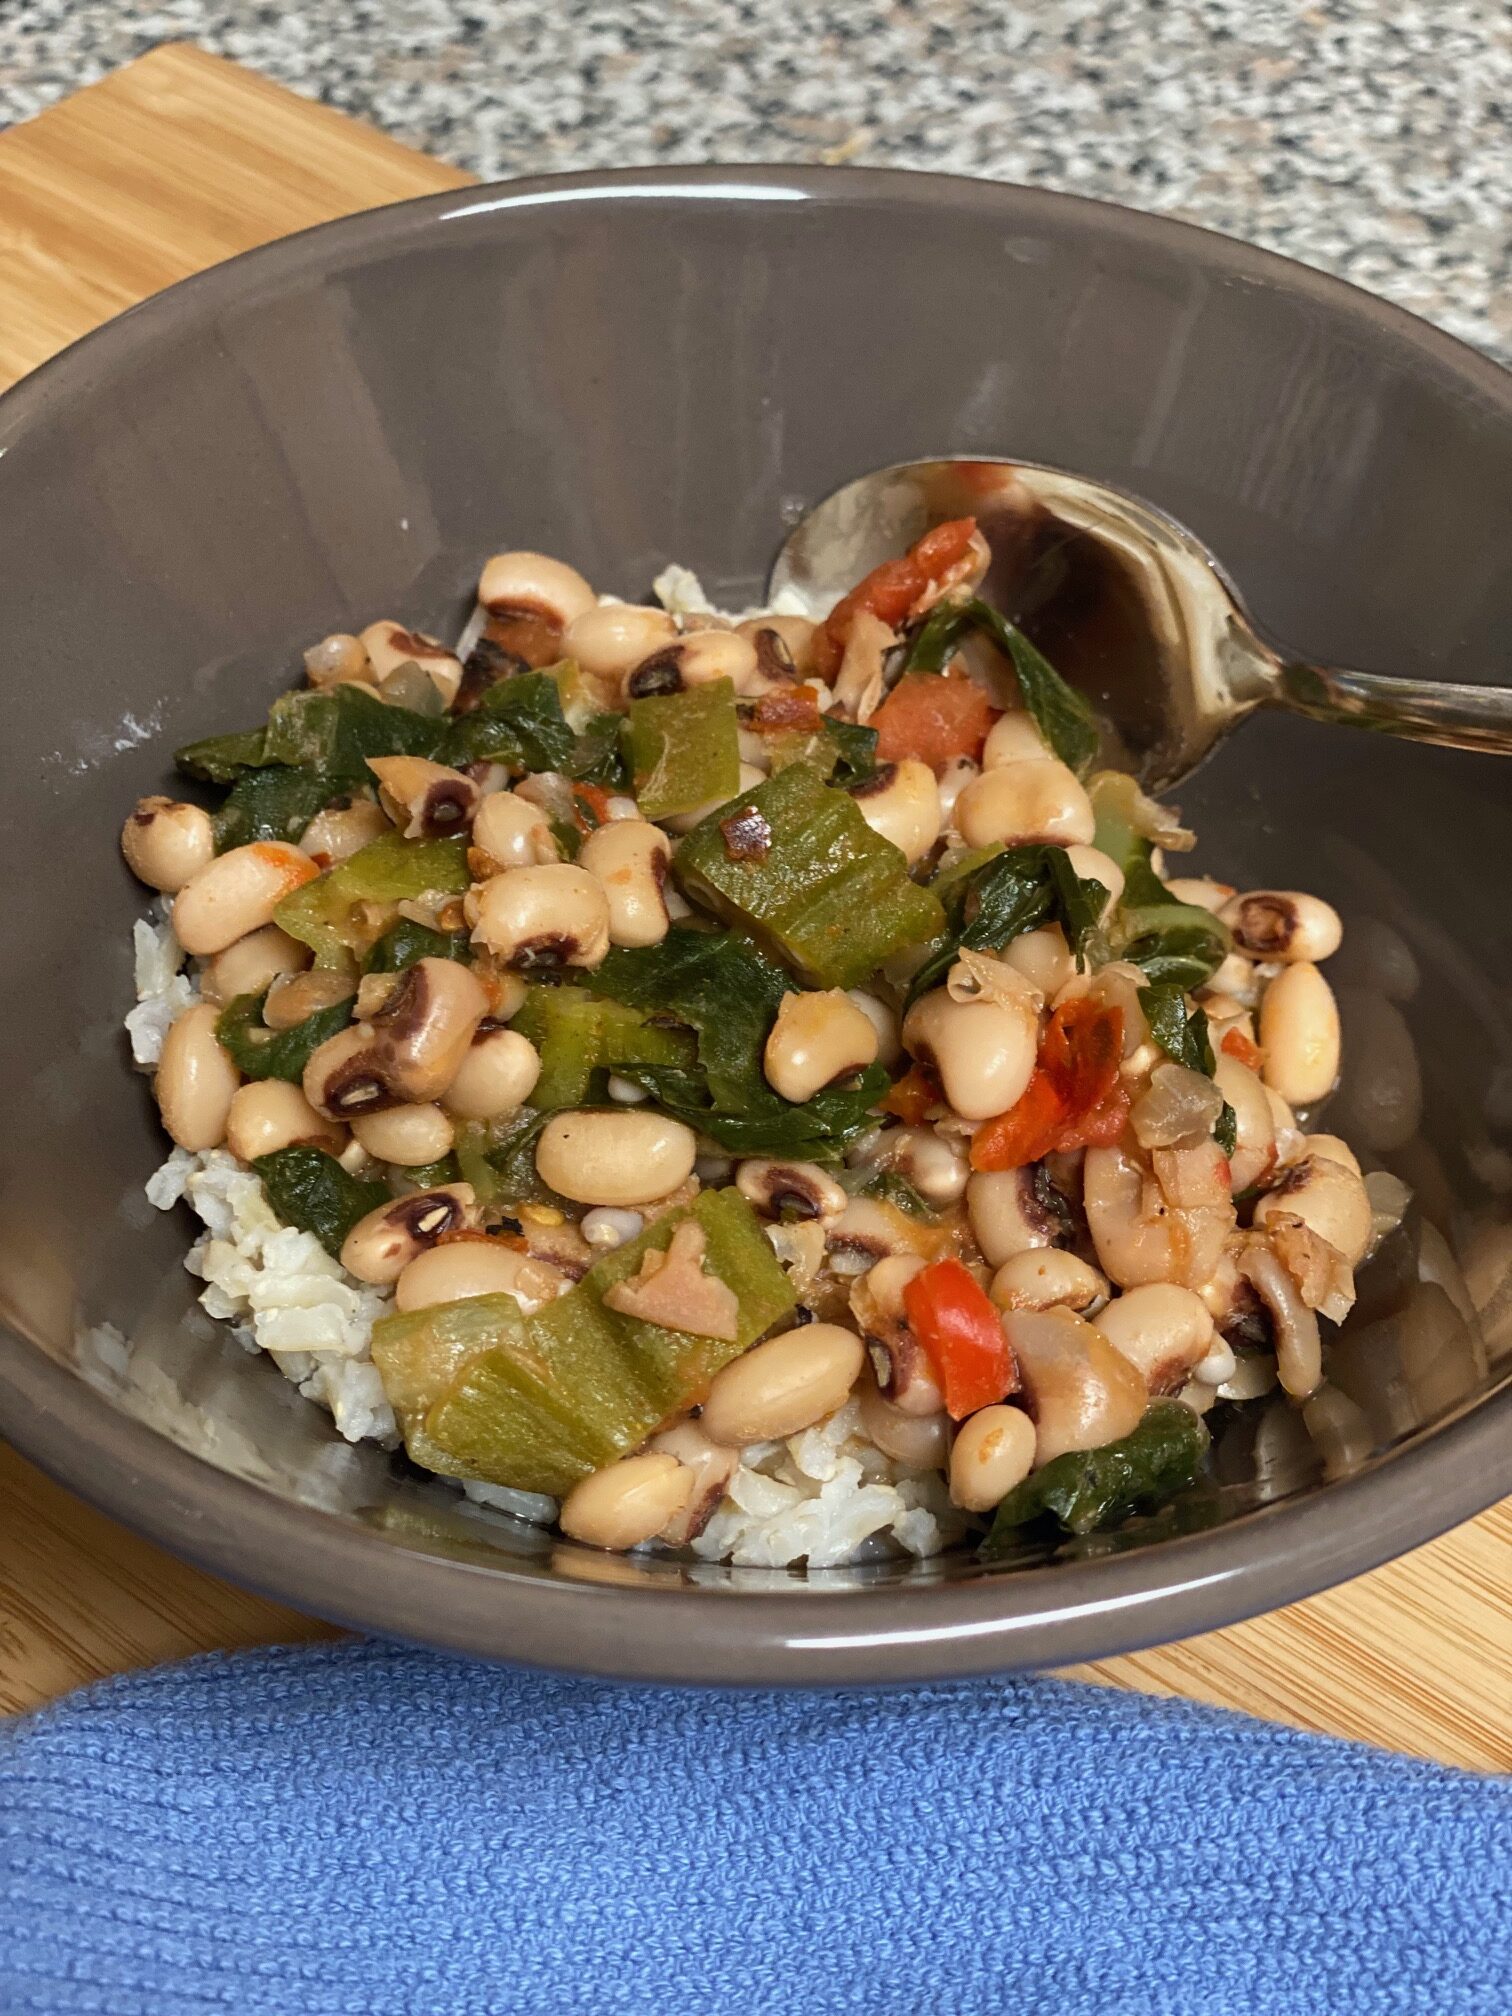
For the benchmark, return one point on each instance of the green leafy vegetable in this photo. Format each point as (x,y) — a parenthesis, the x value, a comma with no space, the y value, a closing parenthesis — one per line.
(684,749)
(322,913)
(519,722)
(271,804)
(260,1052)
(855,751)
(429,1175)
(310,1190)
(409,942)
(829,897)
(582,1037)
(1061,714)
(720,987)
(1226,1129)
(337,730)
(597,755)
(1181,1034)
(538,1402)
(888,1187)
(1010,891)
(221,759)
(1177,944)
(1088,1490)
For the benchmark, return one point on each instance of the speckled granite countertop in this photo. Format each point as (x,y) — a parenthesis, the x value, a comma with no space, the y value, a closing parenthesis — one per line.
(1368,137)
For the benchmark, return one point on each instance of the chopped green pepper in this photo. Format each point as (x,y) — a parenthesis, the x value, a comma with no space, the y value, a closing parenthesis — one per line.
(1088,1490)
(828,896)
(310,1190)
(582,1036)
(684,749)
(1177,944)
(260,1052)
(321,913)
(541,1401)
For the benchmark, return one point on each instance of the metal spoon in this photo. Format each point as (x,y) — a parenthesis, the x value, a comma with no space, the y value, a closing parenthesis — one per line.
(1127,605)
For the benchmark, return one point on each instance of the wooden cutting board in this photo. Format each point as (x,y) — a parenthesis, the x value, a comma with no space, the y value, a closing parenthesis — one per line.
(181,160)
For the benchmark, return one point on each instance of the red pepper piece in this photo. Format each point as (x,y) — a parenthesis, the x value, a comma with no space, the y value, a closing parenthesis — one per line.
(963,1334)
(891,590)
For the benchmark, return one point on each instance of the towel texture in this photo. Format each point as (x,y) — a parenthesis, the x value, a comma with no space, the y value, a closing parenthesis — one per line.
(362,1830)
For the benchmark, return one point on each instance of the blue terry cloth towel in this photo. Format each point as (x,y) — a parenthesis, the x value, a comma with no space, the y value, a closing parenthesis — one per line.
(364,1830)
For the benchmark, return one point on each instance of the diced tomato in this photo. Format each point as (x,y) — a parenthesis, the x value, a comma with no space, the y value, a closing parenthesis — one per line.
(891,590)
(1236,1044)
(963,1334)
(913,1095)
(933,717)
(1075,1097)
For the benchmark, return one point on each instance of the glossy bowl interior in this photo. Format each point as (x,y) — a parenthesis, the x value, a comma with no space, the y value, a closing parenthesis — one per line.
(631,369)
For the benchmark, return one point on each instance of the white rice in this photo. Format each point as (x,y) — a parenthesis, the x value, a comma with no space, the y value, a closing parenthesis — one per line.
(681,593)
(162,991)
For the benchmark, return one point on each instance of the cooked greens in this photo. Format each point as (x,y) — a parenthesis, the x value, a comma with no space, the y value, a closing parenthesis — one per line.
(1063,717)
(260,1052)
(1089,1490)
(1177,944)
(1001,895)
(310,1190)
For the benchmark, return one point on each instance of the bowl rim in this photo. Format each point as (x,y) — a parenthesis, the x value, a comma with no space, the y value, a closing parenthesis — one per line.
(1059,1614)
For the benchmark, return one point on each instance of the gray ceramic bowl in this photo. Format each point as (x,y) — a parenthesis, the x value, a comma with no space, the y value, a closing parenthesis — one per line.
(650,366)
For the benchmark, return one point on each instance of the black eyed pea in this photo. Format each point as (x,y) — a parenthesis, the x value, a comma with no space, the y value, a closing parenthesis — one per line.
(425,1028)
(935,1165)
(552,916)
(1328,1196)
(901,801)
(1092,865)
(1043,957)
(166,841)
(1254,1126)
(463,1268)
(533,584)
(903,1370)
(389,645)
(783,1386)
(984,1050)
(337,833)
(697,659)
(992,1454)
(883,1020)
(1283,924)
(817,1040)
(609,639)
(628,858)
(268,1115)
(1007,1215)
(1332,1149)
(954,778)
(1235,978)
(1299,1033)
(790,1190)
(784,647)
(1289,1139)
(497,1075)
(336,659)
(1164,1331)
(1201,891)
(627,1157)
(196,1080)
(237,893)
(1022,802)
(408,1135)
(1014,738)
(513,833)
(425,800)
(1045,1278)
(921,1441)
(348,1075)
(1080,1390)
(252,964)
(627,1502)
(380,1246)
(294,997)
(711,1468)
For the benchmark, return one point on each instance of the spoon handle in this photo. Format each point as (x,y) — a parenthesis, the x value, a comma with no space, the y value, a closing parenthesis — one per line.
(1422,710)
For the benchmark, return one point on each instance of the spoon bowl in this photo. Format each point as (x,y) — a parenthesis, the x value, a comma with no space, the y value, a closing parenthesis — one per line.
(1127,604)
